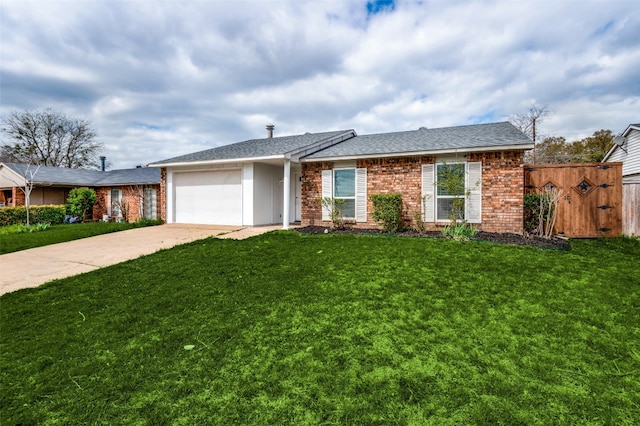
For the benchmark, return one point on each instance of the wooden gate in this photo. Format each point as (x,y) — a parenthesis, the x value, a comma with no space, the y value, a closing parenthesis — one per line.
(591,203)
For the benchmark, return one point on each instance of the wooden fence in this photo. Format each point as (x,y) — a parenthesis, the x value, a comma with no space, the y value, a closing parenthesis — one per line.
(591,202)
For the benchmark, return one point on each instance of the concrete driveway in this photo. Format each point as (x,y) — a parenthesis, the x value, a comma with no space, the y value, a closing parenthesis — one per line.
(33,267)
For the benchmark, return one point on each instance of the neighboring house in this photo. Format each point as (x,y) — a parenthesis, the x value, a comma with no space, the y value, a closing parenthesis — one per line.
(627,151)
(134,189)
(281,180)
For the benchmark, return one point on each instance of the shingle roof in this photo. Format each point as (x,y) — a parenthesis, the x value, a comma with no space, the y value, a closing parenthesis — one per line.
(83,177)
(255,148)
(469,137)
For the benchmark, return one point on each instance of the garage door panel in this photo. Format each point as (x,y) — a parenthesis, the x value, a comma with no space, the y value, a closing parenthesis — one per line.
(213,197)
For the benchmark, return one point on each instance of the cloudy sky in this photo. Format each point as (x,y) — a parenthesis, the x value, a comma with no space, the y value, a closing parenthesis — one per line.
(164,78)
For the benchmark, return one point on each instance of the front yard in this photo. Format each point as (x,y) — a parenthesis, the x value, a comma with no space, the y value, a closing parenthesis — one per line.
(11,242)
(287,328)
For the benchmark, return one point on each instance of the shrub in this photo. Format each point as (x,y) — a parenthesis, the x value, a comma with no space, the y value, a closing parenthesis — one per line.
(81,201)
(44,214)
(142,222)
(459,231)
(22,228)
(334,206)
(387,211)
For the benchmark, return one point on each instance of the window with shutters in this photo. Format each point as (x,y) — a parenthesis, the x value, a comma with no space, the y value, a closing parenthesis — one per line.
(344,188)
(350,185)
(438,200)
(450,191)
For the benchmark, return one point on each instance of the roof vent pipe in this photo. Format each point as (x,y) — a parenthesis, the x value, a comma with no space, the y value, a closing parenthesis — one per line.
(270,128)
(103,163)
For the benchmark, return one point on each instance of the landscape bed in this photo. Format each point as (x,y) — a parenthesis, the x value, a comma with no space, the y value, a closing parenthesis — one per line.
(292,328)
(494,237)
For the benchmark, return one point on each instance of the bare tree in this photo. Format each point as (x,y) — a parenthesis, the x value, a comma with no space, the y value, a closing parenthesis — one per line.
(26,185)
(49,138)
(131,195)
(528,123)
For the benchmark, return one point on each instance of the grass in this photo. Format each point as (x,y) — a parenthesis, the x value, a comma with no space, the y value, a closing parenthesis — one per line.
(10,242)
(312,329)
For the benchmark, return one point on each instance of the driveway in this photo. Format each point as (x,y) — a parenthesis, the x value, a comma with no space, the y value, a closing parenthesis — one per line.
(33,267)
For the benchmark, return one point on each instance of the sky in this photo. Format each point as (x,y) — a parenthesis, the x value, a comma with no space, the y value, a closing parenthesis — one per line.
(158,79)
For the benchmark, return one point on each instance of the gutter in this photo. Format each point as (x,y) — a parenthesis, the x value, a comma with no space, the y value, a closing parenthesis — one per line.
(221,161)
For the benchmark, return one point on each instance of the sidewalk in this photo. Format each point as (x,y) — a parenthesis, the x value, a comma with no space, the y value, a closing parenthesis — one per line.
(33,267)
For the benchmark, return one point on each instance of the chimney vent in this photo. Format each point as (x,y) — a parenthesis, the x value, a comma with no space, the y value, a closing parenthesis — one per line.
(270,128)
(103,163)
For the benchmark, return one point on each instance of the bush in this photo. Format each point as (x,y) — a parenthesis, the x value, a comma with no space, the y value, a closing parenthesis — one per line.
(44,214)
(81,201)
(459,231)
(143,222)
(387,210)
(334,206)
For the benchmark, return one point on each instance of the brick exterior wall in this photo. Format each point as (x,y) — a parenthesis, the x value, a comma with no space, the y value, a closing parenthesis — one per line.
(130,197)
(162,196)
(502,188)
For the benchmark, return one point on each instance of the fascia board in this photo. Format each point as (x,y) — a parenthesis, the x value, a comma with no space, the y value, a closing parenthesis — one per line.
(421,153)
(222,161)
(629,129)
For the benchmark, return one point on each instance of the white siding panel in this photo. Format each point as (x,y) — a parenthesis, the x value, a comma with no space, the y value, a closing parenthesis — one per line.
(474,185)
(428,192)
(361,195)
(327,191)
(631,161)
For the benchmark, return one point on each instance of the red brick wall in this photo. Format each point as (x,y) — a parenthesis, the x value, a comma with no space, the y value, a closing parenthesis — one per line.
(502,188)
(130,196)
(162,196)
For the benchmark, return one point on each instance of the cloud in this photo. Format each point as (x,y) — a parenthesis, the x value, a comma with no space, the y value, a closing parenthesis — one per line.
(159,79)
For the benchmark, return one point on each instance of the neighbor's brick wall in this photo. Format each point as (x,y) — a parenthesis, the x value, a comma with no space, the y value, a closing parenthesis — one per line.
(18,196)
(130,195)
(502,189)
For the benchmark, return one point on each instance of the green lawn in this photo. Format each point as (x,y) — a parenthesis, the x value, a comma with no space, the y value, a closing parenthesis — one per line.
(59,234)
(298,329)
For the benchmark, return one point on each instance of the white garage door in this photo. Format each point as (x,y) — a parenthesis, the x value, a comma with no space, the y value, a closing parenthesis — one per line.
(213,197)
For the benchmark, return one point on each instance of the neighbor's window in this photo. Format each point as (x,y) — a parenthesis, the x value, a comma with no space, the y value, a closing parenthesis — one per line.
(116,196)
(344,188)
(450,182)
(150,206)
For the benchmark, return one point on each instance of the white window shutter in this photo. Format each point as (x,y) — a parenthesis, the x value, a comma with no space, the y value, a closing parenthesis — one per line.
(361,195)
(428,193)
(327,192)
(109,202)
(474,185)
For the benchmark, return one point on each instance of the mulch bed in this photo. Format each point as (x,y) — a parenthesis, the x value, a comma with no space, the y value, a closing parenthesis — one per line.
(494,237)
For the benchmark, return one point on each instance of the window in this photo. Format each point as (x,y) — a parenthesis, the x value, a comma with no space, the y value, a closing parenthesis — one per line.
(450,191)
(150,206)
(348,184)
(116,197)
(438,200)
(344,188)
